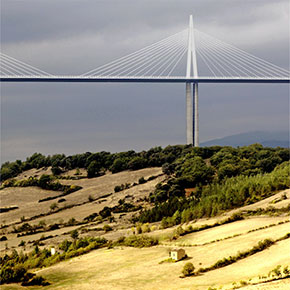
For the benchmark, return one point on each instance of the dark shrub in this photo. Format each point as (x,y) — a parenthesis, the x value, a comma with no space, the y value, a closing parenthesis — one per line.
(105,212)
(56,170)
(91,217)
(118,188)
(140,241)
(142,180)
(36,281)
(3,238)
(107,228)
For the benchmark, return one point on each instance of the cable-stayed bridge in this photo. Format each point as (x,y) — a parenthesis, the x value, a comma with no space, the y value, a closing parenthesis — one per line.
(189,57)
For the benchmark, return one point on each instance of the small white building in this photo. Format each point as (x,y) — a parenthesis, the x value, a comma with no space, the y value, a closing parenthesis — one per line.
(52,251)
(177,254)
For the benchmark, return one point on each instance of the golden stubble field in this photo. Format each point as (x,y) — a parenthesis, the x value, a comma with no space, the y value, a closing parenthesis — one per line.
(134,268)
(27,200)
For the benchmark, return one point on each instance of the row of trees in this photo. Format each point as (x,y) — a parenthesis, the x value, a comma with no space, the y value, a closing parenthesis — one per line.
(229,161)
(95,163)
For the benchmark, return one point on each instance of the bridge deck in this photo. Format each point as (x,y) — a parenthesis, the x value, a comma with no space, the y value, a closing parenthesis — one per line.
(128,79)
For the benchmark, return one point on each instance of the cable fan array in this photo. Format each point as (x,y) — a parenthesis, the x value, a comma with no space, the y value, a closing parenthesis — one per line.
(158,59)
(12,67)
(167,58)
(215,59)
(225,60)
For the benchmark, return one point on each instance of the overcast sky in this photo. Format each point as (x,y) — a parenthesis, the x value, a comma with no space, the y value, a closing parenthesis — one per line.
(72,37)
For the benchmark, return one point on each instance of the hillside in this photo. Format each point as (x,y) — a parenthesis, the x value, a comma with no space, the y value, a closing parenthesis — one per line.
(131,268)
(267,139)
(227,208)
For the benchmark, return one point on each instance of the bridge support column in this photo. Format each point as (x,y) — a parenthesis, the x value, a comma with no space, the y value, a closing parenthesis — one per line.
(189,114)
(191,100)
(196,117)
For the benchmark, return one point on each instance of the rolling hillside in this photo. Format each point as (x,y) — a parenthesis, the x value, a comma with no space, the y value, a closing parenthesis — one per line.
(131,268)
(227,208)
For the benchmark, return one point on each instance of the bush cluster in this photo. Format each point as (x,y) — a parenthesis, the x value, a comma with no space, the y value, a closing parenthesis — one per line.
(121,187)
(140,241)
(121,207)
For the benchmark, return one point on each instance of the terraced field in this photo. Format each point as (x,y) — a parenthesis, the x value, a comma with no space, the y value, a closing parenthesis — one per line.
(131,268)
(140,268)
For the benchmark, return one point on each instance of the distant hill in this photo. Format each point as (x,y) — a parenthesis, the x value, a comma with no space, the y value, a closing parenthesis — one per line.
(267,139)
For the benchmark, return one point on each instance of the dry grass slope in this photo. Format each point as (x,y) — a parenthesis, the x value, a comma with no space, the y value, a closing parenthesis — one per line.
(134,268)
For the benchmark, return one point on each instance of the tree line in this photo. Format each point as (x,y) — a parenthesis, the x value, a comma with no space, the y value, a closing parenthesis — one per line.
(229,161)
(97,163)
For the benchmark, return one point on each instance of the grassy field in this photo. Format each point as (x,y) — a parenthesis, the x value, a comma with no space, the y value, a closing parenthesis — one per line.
(135,268)
(26,199)
(240,228)
(131,268)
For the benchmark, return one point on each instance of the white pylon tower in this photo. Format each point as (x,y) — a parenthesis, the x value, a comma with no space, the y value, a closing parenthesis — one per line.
(191,101)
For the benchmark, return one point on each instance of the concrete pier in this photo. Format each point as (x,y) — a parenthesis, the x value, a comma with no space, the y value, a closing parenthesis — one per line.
(189,115)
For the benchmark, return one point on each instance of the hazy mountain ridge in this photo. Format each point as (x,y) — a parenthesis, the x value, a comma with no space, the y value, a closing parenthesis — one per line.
(267,139)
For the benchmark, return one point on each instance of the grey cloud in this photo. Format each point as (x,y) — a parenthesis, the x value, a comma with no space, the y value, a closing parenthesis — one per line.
(71,37)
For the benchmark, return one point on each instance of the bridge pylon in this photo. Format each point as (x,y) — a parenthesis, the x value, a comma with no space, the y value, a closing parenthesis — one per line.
(192,126)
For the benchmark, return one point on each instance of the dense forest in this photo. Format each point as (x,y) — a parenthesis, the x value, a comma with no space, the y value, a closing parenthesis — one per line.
(202,184)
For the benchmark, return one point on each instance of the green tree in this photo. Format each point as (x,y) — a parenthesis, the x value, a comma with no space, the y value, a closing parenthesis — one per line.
(64,245)
(176,217)
(137,163)
(194,171)
(74,234)
(105,212)
(56,170)
(227,170)
(188,269)
(93,169)
(37,160)
(119,164)
(44,180)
